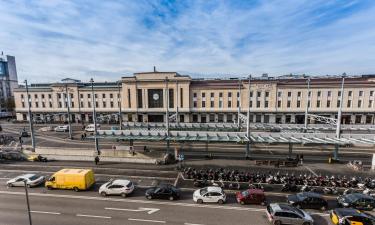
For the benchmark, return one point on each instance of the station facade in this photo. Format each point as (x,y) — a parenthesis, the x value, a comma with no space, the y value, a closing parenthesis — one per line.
(143,97)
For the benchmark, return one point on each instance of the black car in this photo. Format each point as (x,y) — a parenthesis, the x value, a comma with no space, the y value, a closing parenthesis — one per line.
(357,200)
(163,191)
(308,200)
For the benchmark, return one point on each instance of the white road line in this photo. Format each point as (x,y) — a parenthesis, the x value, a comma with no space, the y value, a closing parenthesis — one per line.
(193,224)
(43,212)
(94,216)
(151,221)
(309,169)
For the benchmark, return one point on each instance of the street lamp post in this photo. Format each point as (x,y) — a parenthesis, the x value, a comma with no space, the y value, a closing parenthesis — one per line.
(307,104)
(239,105)
(27,202)
(119,105)
(94,116)
(30,118)
(248,123)
(68,107)
(167,112)
(338,123)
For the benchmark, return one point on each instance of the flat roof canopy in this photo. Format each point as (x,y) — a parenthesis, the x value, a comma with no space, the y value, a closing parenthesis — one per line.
(238,137)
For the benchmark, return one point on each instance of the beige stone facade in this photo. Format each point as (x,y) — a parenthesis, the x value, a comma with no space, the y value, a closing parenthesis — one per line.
(143,98)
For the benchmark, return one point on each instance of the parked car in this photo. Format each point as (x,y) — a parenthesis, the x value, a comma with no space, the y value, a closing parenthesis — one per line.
(356,200)
(64,128)
(117,187)
(251,196)
(91,127)
(46,129)
(163,191)
(76,179)
(32,180)
(210,194)
(308,200)
(350,216)
(279,213)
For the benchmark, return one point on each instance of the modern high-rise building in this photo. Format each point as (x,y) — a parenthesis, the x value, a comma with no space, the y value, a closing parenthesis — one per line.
(8,82)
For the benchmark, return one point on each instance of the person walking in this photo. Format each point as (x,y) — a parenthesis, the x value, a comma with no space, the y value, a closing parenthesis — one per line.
(301,159)
(97,160)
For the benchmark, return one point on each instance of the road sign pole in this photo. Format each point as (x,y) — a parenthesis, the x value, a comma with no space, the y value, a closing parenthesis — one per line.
(30,118)
(27,202)
(247,155)
(94,116)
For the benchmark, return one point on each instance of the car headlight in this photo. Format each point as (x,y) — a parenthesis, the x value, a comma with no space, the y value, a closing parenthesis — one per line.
(291,202)
(345,204)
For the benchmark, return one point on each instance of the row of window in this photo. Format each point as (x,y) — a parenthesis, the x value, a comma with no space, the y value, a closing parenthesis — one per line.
(59,95)
(319,94)
(72,105)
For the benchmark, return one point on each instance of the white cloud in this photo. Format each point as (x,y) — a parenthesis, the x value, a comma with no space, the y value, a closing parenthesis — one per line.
(105,39)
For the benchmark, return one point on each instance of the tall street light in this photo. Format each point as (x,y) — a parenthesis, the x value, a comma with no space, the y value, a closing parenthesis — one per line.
(119,105)
(68,106)
(167,111)
(30,118)
(94,116)
(248,123)
(307,104)
(338,123)
(27,201)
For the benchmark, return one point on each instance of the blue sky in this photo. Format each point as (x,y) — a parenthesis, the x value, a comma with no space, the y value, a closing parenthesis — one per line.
(52,39)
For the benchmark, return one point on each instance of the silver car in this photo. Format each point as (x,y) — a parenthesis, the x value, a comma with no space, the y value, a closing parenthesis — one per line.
(279,213)
(32,180)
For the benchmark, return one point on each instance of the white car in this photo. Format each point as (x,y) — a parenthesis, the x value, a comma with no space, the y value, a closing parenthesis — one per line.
(91,127)
(32,180)
(117,187)
(46,129)
(210,194)
(64,128)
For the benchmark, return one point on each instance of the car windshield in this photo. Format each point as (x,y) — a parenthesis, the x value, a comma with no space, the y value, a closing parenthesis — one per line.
(245,193)
(203,191)
(129,185)
(301,196)
(351,198)
(34,177)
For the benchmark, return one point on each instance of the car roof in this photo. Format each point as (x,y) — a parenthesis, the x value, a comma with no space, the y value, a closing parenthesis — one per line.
(360,195)
(120,182)
(28,175)
(283,207)
(255,191)
(343,212)
(214,189)
(311,194)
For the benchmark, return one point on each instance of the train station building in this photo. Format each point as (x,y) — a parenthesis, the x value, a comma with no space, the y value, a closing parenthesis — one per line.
(144,97)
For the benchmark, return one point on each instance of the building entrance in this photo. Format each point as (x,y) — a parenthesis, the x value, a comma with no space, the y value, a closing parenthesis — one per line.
(155,118)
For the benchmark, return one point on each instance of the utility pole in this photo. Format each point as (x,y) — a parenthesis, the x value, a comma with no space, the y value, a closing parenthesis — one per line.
(307,104)
(68,106)
(167,112)
(94,116)
(30,118)
(239,104)
(119,105)
(338,127)
(27,202)
(248,123)
(177,102)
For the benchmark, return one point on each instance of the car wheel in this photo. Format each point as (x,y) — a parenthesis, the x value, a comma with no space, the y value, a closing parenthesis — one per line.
(171,198)
(103,193)
(149,197)
(298,206)
(199,201)
(277,222)
(306,223)
(10,185)
(220,201)
(49,187)
(242,202)
(76,189)
(28,186)
(263,203)
(323,208)
(123,195)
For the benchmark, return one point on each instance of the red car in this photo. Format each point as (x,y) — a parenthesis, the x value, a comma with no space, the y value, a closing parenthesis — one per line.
(251,196)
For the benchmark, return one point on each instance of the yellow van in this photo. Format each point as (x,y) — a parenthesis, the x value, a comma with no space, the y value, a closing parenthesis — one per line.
(76,179)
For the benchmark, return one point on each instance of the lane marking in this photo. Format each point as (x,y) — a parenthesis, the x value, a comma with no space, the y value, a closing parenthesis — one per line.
(140,209)
(151,221)
(44,212)
(94,216)
(193,224)
(311,171)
